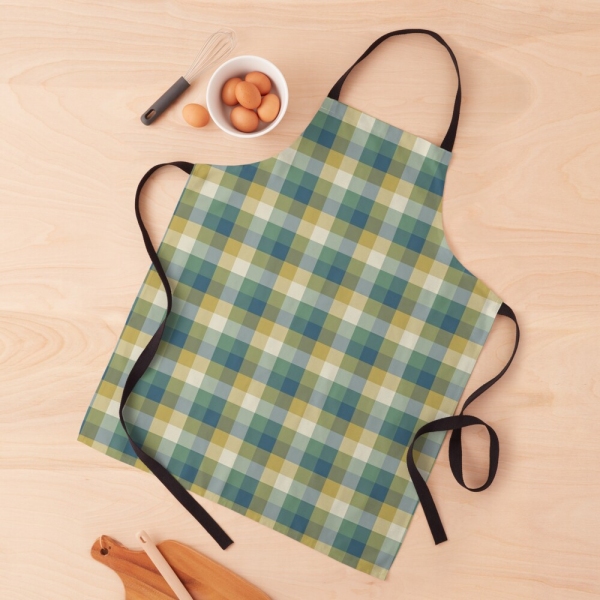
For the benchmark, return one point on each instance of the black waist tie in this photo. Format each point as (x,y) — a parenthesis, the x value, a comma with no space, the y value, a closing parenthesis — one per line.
(455,424)
(139,368)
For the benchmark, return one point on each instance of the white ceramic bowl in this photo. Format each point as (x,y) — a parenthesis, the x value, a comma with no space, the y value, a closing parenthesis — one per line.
(239,67)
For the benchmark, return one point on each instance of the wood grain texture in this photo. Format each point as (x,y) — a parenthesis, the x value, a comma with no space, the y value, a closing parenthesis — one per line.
(203,578)
(521,210)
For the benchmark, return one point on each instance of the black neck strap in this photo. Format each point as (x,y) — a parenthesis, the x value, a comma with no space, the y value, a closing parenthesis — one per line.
(139,368)
(448,142)
(456,423)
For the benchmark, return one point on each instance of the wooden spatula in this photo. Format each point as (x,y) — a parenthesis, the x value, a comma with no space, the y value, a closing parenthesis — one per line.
(203,578)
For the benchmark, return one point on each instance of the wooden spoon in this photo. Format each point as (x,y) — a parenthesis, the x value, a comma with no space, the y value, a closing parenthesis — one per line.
(203,578)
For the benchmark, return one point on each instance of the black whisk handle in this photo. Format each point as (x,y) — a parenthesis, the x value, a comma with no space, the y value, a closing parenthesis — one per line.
(159,107)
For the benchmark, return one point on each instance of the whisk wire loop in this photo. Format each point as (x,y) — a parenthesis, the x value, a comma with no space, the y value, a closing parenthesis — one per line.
(215,49)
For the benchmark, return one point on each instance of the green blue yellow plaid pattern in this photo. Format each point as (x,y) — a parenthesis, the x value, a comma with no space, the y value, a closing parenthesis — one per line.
(319,320)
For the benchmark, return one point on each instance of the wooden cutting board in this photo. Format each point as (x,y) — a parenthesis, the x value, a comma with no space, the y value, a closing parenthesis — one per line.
(203,578)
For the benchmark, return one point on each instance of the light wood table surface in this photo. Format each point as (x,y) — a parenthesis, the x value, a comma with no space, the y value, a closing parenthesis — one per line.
(521,210)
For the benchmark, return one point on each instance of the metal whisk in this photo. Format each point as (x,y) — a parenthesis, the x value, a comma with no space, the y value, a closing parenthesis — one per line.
(215,49)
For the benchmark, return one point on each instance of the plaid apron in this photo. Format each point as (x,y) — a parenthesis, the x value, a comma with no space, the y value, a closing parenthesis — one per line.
(315,338)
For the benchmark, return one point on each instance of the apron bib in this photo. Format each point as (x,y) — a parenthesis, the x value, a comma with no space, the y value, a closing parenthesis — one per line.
(315,338)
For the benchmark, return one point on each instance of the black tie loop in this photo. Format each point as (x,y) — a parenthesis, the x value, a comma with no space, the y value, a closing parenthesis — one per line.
(456,423)
(450,137)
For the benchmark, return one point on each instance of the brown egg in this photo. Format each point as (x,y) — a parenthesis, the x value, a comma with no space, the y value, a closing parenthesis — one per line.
(247,94)
(244,119)
(260,80)
(228,91)
(195,115)
(269,108)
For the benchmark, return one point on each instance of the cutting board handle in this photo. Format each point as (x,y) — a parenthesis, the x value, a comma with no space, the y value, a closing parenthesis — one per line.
(203,578)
